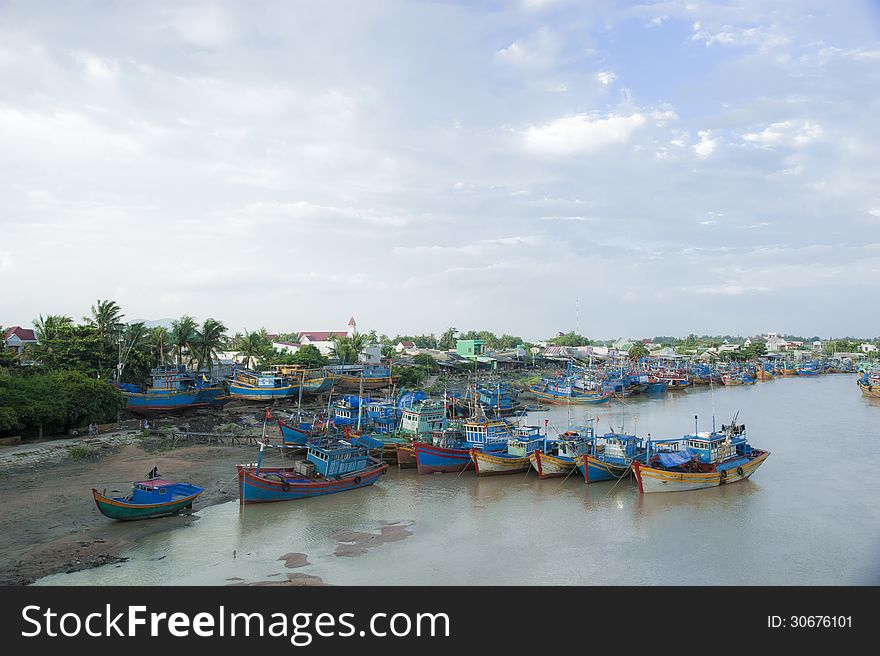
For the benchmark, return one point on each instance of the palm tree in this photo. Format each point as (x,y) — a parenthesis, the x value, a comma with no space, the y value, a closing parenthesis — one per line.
(52,326)
(347,349)
(208,339)
(251,346)
(158,343)
(447,339)
(107,320)
(182,333)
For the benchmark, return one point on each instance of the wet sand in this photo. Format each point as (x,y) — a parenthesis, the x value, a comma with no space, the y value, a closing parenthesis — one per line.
(50,523)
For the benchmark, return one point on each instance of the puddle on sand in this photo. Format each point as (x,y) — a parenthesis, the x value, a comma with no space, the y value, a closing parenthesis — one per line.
(295,579)
(357,543)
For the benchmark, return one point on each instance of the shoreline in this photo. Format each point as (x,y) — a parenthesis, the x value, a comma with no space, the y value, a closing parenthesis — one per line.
(50,523)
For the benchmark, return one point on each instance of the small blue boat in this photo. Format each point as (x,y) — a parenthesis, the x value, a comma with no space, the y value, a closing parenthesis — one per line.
(154,497)
(449,450)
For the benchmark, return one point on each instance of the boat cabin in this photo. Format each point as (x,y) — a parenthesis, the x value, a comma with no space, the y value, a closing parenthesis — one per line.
(152,491)
(423,418)
(334,458)
(481,434)
(525,440)
(619,447)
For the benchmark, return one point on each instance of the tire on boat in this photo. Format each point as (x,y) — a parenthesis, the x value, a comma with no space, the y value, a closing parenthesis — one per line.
(357,480)
(739,470)
(285,486)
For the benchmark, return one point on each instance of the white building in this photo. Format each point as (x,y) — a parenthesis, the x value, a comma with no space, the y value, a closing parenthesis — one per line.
(775,344)
(286,347)
(868,348)
(371,354)
(323,339)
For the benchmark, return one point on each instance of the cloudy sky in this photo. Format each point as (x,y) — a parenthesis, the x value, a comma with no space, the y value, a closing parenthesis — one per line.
(672,167)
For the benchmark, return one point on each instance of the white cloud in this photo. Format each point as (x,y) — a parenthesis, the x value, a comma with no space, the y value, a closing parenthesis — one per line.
(707,144)
(606,77)
(582,133)
(785,133)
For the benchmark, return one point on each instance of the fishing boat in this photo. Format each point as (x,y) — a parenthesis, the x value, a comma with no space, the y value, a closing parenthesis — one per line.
(449,450)
(298,433)
(610,458)
(698,461)
(173,389)
(247,385)
(676,380)
(498,399)
(331,465)
(763,374)
(558,456)
(523,441)
(154,497)
(565,393)
(738,378)
(361,376)
(870,384)
(809,369)
(311,381)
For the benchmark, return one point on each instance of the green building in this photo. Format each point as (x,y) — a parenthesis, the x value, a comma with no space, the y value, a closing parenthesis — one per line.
(469,348)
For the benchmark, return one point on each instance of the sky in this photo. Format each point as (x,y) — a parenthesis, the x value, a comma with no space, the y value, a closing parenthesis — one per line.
(524,167)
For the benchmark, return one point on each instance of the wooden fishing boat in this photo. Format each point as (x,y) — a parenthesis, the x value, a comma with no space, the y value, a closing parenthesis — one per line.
(869,384)
(566,394)
(557,458)
(247,385)
(361,377)
(330,466)
(610,458)
(762,374)
(406,456)
(698,461)
(148,499)
(522,443)
(173,389)
(449,450)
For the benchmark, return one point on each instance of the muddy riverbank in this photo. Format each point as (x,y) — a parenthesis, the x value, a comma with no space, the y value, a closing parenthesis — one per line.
(50,523)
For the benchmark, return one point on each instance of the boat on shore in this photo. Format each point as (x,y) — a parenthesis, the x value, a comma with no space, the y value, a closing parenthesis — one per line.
(565,393)
(154,497)
(247,385)
(331,465)
(694,462)
(361,376)
(173,389)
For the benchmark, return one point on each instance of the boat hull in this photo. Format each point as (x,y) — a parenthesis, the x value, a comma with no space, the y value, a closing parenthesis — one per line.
(406,456)
(248,393)
(269,485)
(651,479)
(117,509)
(432,459)
(488,464)
(175,401)
(869,391)
(545,397)
(595,470)
(549,466)
(317,385)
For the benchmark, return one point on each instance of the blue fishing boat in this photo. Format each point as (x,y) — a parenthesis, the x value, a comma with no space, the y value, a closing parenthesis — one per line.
(558,457)
(154,497)
(297,432)
(331,465)
(809,369)
(523,442)
(311,381)
(564,392)
(698,461)
(449,450)
(496,399)
(247,385)
(610,457)
(172,389)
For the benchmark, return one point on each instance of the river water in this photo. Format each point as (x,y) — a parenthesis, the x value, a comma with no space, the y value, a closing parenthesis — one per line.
(809,516)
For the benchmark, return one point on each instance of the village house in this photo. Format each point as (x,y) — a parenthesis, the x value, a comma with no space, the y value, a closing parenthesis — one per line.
(286,347)
(16,339)
(323,340)
(407,346)
(868,348)
(775,343)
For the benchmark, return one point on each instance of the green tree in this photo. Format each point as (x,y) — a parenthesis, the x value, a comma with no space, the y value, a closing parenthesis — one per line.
(309,356)
(570,339)
(252,345)
(447,339)
(638,350)
(183,331)
(347,348)
(209,338)
(388,351)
